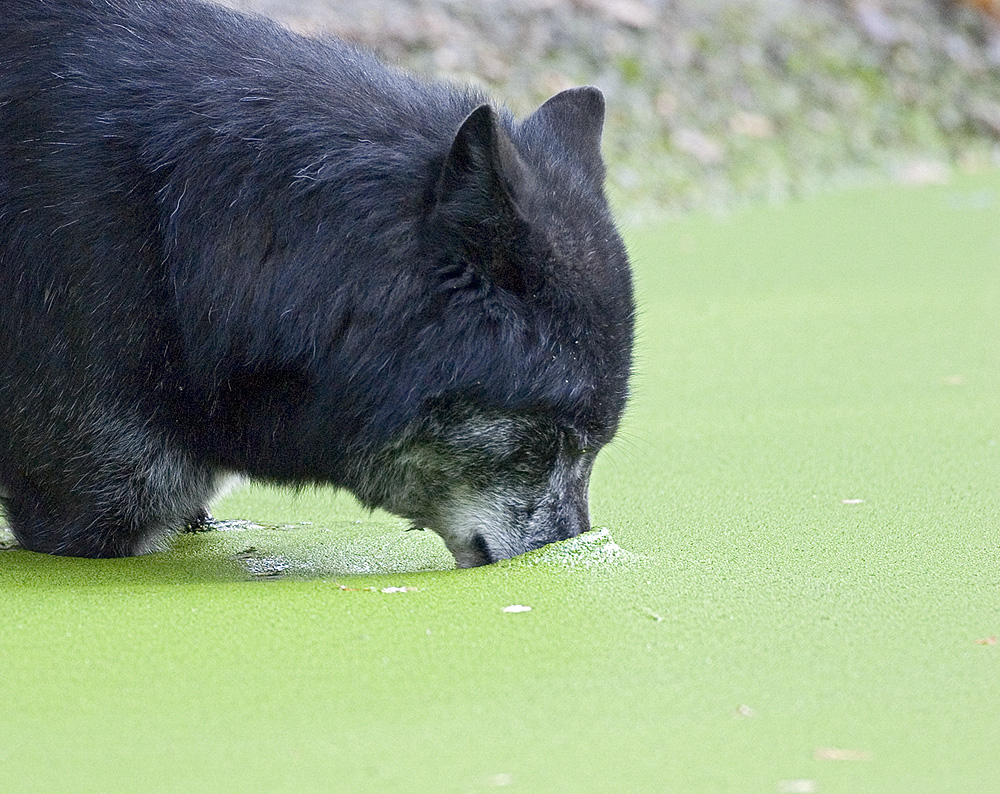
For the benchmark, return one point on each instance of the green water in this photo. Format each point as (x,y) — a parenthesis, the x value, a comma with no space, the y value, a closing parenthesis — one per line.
(795,591)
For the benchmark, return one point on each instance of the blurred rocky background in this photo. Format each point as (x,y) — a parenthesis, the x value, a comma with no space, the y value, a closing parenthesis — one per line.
(717,102)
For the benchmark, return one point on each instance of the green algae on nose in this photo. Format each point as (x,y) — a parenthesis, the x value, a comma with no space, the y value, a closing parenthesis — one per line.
(595,547)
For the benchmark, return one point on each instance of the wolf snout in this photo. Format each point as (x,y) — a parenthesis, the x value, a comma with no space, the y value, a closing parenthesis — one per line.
(484,542)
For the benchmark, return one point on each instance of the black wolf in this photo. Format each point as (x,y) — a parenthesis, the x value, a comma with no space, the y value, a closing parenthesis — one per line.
(229,249)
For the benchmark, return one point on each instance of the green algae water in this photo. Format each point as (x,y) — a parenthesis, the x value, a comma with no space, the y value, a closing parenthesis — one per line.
(794,584)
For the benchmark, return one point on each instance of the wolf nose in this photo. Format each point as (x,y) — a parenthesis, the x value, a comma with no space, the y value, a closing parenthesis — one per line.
(473,553)
(482,549)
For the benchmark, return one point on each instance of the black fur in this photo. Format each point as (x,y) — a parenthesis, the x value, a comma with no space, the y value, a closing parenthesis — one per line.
(228,248)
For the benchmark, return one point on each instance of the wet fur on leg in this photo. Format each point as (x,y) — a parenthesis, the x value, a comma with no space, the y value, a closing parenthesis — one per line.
(129,490)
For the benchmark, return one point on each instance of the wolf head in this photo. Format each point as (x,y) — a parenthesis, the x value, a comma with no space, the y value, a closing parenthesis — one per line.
(525,344)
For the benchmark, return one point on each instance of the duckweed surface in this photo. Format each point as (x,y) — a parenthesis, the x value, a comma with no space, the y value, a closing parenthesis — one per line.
(798,586)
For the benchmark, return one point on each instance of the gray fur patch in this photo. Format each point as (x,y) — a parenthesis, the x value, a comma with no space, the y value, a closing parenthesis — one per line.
(121,490)
(491,486)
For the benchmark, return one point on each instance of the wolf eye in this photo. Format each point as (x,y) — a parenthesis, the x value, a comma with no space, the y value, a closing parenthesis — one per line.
(459,276)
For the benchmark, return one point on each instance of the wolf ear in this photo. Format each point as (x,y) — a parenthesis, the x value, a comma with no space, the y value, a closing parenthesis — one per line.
(576,117)
(477,195)
(481,174)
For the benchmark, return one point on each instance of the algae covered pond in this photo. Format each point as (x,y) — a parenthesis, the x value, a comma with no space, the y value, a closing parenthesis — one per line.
(797,587)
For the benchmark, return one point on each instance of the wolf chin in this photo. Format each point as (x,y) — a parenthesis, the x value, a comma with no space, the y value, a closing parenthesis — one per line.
(229,249)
